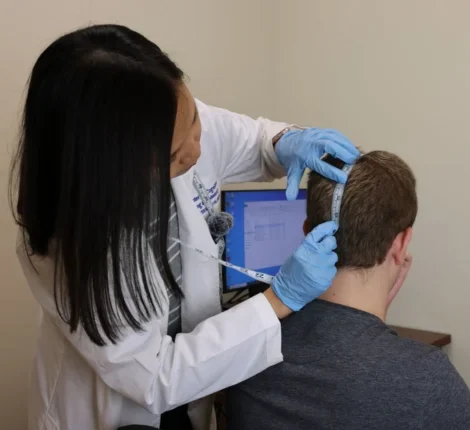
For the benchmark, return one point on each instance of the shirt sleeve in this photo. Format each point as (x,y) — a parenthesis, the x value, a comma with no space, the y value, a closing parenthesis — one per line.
(448,402)
(241,146)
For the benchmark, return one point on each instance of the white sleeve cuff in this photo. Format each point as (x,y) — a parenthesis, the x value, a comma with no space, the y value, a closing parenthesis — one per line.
(272,325)
(273,167)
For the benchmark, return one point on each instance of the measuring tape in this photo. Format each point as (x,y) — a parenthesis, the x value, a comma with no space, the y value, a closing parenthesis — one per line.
(258,276)
(262,277)
(206,201)
(338,196)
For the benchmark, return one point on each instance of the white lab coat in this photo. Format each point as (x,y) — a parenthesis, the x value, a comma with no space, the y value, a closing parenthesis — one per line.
(76,385)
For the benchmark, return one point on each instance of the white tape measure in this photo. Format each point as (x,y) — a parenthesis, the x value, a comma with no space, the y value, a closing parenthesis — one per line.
(338,196)
(258,276)
(261,277)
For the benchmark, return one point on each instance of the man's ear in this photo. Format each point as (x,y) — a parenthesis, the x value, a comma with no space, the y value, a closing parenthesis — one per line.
(400,245)
(307,227)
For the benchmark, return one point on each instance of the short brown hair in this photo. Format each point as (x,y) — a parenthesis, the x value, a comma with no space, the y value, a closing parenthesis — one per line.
(379,202)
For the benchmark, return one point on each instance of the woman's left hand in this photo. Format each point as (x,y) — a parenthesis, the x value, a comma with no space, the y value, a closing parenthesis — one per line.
(301,149)
(309,272)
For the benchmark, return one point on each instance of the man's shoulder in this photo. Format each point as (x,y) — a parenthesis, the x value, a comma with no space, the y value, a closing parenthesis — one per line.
(410,349)
(366,370)
(326,329)
(447,401)
(438,368)
(404,357)
(425,369)
(359,344)
(419,357)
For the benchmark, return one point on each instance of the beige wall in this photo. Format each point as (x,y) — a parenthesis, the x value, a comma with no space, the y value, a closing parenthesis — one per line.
(25,26)
(395,75)
(222,46)
(391,75)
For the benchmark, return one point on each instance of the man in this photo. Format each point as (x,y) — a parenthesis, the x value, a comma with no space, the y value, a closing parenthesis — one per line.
(344,368)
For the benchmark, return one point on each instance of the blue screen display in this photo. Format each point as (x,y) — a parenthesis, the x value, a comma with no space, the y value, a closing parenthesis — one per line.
(266,231)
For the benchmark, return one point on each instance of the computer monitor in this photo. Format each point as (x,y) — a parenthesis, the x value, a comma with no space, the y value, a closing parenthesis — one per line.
(267,230)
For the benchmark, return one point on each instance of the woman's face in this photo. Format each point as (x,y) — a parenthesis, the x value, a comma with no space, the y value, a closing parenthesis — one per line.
(185,148)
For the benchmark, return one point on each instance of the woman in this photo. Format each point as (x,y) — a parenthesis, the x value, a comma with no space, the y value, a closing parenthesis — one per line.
(112,144)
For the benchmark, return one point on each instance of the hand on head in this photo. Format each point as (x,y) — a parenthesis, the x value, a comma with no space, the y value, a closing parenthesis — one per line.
(378,210)
(298,150)
(308,273)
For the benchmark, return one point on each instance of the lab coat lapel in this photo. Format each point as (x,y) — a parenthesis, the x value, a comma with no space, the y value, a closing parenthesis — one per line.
(200,274)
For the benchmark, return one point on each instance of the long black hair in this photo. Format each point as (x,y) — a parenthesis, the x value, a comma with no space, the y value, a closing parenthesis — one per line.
(95,146)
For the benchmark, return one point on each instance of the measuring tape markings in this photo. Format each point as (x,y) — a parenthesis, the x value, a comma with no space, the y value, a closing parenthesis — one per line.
(262,277)
(338,196)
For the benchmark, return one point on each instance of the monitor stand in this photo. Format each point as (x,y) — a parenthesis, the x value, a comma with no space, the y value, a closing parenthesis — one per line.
(251,290)
(256,288)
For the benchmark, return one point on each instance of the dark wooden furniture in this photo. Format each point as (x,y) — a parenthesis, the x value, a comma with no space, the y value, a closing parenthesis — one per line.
(424,336)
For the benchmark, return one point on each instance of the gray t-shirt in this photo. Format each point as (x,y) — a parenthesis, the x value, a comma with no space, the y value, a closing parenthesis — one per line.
(346,369)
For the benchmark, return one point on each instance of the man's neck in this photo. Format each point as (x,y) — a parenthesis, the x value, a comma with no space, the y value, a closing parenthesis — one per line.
(363,290)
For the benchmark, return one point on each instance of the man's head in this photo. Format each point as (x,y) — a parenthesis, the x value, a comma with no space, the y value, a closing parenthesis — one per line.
(378,210)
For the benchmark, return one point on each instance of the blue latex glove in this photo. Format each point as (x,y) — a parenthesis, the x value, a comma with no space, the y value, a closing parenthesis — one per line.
(301,149)
(308,273)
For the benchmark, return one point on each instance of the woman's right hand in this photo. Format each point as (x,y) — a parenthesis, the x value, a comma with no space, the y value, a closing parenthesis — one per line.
(309,272)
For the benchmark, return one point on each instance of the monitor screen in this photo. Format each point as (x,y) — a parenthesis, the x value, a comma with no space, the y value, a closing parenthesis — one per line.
(266,231)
